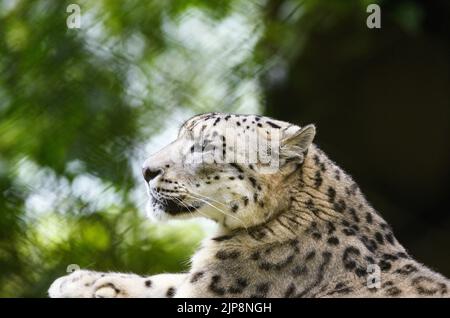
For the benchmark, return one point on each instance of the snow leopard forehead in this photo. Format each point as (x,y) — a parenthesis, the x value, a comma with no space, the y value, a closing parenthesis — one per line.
(237,122)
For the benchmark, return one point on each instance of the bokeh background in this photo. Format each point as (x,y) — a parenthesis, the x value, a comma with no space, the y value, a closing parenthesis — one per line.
(80,109)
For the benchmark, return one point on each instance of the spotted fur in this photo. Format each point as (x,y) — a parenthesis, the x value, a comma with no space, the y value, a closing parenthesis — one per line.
(305,230)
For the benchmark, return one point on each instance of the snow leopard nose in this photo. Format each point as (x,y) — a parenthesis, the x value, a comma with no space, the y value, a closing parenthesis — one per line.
(150,174)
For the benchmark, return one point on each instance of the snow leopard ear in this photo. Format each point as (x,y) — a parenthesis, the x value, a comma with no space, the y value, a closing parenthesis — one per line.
(295,144)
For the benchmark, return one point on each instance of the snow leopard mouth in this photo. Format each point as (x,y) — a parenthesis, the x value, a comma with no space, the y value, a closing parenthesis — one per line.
(174,207)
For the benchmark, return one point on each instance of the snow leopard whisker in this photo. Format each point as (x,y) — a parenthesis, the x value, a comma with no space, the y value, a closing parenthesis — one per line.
(218,209)
(186,206)
(205,197)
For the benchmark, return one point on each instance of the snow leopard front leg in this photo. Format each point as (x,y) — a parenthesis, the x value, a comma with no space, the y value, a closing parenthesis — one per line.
(90,284)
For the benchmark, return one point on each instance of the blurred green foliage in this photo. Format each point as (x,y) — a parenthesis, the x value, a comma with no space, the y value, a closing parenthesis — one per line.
(79,106)
(83,102)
